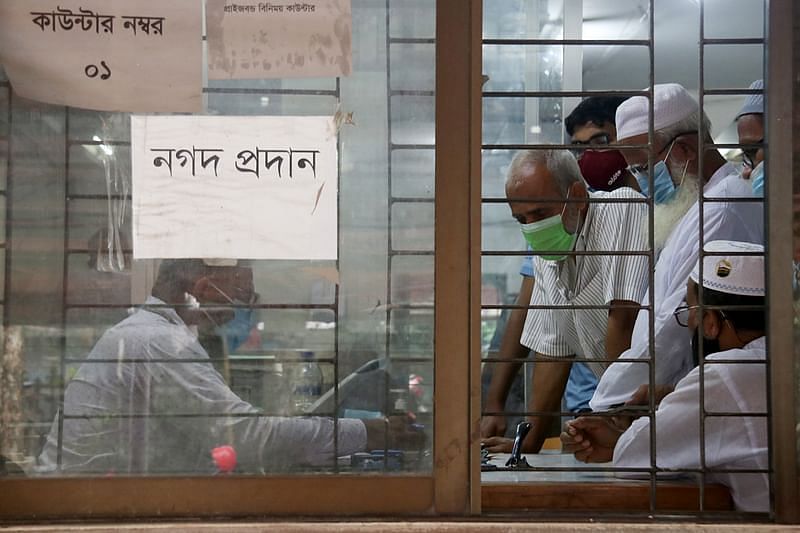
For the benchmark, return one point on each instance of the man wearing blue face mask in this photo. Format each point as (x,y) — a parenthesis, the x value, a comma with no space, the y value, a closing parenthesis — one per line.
(565,231)
(750,127)
(234,286)
(236,332)
(237,290)
(675,186)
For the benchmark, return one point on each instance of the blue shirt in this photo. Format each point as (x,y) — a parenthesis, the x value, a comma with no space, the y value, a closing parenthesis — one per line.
(582,382)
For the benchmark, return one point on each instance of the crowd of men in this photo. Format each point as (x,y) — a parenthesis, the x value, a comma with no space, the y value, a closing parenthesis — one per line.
(588,285)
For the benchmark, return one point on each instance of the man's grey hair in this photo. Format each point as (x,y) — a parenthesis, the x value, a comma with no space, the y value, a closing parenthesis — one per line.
(561,163)
(686,125)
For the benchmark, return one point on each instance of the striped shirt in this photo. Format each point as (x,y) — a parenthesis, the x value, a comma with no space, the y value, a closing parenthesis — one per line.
(589,280)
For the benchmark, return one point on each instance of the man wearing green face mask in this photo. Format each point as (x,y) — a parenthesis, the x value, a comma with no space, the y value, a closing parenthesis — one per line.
(566,226)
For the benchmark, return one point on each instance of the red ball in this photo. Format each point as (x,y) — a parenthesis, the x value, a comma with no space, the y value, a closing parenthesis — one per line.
(225,458)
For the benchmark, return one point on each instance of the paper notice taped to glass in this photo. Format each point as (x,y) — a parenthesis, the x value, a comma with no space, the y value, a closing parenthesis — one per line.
(260,187)
(279,39)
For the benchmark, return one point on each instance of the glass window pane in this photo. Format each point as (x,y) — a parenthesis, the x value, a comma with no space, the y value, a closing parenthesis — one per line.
(414,71)
(413,226)
(412,173)
(4,96)
(86,125)
(412,120)
(155,367)
(734,19)
(749,61)
(92,166)
(523,19)
(412,19)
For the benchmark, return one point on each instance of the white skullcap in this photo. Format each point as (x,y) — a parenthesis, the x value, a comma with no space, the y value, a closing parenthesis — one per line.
(671,103)
(754,103)
(732,274)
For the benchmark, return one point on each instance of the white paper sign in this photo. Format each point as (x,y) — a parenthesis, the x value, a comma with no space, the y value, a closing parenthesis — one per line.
(111,55)
(234,187)
(278,39)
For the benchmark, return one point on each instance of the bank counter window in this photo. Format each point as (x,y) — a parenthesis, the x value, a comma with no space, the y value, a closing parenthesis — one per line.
(396,258)
(290,333)
(624,354)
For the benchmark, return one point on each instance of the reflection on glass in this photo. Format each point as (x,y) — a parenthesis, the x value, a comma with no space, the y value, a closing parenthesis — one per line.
(523,19)
(718,74)
(748,21)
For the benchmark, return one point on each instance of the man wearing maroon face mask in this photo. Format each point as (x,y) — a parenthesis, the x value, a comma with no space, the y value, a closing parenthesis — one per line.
(591,124)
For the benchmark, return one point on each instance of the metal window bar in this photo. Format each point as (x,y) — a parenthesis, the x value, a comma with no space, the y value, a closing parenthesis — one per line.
(618,360)
(336,293)
(569,42)
(557,94)
(62,367)
(562,413)
(571,147)
(702,200)
(393,252)
(6,86)
(389,256)
(701,245)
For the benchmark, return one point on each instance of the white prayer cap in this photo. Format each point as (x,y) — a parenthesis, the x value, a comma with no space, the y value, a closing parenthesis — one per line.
(671,103)
(732,273)
(220,262)
(754,103)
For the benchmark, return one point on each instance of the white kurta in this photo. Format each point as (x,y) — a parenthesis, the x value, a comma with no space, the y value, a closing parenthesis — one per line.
(673,356)
(731,443)
(148,400)
(590,280)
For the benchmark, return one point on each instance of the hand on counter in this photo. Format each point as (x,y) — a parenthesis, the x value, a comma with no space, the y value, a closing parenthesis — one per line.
(591,438)
(493,426)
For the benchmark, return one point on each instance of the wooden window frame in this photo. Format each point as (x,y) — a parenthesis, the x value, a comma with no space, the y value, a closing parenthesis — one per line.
(454,484)
(453,488)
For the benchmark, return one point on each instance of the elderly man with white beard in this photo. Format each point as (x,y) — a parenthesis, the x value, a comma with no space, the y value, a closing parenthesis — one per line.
(677,221)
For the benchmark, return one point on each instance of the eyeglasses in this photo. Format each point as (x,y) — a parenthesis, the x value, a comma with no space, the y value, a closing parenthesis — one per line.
(643,168)
(749,154)
(598,139)
(681,314)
